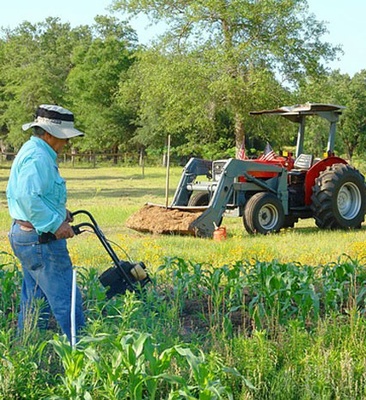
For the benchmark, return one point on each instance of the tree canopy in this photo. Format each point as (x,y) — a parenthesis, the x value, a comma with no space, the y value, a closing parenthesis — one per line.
(80,68)
(237,48)
(197,82)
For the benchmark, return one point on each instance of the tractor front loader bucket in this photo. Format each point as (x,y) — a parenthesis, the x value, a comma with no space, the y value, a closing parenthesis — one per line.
(179,217)
(155,218)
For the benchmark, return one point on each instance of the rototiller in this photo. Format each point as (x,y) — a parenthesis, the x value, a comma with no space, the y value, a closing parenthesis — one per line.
(123,275)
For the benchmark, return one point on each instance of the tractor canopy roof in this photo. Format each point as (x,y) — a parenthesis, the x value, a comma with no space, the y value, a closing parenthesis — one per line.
(295,113)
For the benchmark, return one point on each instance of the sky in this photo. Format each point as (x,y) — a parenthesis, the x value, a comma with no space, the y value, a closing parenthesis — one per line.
(345,21)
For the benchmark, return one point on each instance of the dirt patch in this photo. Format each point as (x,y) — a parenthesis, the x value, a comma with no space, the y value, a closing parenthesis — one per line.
(199,314)
(163,220)
(198,317)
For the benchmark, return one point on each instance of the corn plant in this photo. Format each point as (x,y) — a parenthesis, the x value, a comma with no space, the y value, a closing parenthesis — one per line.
(76,365)
(204,373)
(343,285)
(186,277)
(224,287)
(133,366)
(280,292)
(92,290)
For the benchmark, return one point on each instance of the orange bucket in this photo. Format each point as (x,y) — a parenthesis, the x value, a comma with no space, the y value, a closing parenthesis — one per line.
(219,234)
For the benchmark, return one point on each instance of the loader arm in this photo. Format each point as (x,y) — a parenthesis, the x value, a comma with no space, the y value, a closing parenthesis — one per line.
(194,168)
(229,183)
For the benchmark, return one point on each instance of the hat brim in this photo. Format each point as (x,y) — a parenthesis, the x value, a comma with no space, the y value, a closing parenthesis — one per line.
(63,130)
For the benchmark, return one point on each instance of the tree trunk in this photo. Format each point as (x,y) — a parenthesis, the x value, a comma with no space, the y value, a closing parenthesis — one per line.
(349,151)
(115,154)
(239,131)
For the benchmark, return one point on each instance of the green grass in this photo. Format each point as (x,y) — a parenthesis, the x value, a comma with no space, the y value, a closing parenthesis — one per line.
(253,317)
(112,194)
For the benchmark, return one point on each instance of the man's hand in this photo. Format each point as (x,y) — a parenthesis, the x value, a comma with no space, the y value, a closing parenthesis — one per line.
(69,217)
(65,231)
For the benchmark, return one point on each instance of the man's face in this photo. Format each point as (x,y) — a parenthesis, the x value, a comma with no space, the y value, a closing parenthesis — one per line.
(56,143)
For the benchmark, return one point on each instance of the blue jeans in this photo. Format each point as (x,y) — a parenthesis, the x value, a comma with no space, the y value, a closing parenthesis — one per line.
(47,276)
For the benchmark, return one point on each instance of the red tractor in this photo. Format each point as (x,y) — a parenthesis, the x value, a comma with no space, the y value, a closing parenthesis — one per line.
(328,189)
(268,193)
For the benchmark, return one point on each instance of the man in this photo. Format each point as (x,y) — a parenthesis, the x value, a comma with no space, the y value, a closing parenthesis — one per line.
(36,196)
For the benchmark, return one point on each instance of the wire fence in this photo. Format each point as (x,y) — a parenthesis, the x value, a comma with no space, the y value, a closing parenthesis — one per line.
(94,159)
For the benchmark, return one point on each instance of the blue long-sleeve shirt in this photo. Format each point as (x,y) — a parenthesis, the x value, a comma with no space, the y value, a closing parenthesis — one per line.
(36,192)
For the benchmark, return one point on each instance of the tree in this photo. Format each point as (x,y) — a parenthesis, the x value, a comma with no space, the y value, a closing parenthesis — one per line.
(239,47)
(78,68)
(99,66)
(352,91)
(34,64)
(169,95)
(340,89)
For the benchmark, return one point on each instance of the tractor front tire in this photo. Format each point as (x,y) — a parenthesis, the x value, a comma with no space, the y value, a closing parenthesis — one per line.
(263,214)
(339,198)
(199,199)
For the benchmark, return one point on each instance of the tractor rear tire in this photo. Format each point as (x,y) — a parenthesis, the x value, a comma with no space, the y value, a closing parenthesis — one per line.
(199,199)
(339,198)
(263,214)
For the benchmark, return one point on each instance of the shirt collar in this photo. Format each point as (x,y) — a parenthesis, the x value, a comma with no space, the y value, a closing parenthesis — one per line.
(41,143)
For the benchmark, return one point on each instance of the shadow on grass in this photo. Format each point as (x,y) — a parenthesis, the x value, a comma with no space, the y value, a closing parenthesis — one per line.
(116,193)
(313,229)
(117,178)
(303,229)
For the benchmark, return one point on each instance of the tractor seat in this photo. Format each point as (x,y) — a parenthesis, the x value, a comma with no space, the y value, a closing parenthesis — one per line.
(303,162)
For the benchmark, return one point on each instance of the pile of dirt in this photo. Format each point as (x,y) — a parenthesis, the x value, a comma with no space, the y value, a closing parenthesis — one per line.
(198,316)
(163,220)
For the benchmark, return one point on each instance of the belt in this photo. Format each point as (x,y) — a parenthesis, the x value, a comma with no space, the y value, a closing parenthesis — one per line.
(44,237)
(26,224)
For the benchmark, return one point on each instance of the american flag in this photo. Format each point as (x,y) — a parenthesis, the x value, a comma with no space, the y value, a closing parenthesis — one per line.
(268,153)
(241,155)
